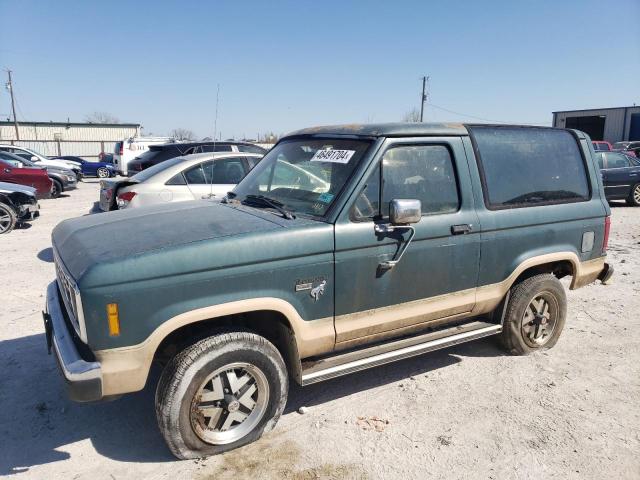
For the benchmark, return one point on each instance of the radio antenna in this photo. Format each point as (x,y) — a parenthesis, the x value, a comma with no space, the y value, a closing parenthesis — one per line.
(215,135)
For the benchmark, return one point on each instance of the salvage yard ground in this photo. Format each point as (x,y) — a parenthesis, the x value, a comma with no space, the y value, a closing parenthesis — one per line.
(466,412)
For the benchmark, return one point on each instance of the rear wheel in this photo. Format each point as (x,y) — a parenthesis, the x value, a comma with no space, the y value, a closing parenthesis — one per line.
(56,190)
(634,196)
(220,393)
(103,173)
(535,315)
(7,218)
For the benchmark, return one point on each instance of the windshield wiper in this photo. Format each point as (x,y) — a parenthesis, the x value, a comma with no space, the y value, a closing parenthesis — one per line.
(261,200)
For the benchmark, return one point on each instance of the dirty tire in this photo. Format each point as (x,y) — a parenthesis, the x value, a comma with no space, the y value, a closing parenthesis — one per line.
(634,196)
(57,188)
(183,377)
(7,218)
(517,333)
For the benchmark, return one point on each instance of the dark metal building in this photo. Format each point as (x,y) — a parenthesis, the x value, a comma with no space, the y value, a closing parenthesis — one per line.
(609,124)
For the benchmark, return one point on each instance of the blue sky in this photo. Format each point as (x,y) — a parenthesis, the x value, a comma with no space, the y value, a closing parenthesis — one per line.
(286,65)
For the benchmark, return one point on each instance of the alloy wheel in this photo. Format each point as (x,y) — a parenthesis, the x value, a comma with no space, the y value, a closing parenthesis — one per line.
(103,173)
(539,319)
(636,194)
(229,403)
(5,220)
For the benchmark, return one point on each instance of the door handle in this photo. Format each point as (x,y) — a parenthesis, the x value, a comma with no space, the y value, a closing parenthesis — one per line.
(461,229)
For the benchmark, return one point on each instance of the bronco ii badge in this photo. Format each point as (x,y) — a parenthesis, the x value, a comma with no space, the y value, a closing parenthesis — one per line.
(308,284)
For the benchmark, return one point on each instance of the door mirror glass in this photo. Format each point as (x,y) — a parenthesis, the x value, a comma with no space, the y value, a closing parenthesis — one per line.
(405,211)
(34,158)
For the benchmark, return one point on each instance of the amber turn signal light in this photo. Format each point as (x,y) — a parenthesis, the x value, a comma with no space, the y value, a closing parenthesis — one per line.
(114,320)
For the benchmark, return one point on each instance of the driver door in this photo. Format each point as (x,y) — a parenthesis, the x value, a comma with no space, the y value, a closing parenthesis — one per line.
(436,279)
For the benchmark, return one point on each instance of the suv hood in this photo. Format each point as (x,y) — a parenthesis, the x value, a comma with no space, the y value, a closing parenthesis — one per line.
(120,239)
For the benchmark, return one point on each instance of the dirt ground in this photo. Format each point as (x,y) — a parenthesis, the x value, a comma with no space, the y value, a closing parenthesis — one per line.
(469,411)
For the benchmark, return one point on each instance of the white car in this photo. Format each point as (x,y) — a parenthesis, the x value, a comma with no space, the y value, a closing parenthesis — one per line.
(131,148)
(191,177)
(40,159)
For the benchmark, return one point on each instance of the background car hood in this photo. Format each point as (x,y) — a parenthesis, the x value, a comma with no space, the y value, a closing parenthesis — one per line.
(60,164)
(14,187)
(83,242)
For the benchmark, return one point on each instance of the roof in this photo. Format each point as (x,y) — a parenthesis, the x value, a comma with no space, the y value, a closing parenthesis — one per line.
(595,109)
(386,129)
(70,124)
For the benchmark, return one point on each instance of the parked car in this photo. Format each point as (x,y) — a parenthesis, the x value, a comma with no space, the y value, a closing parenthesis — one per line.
(600,146)
(629,148)
(159,153)
(192,177)
(40,159)
(130,148)
(621,177)
(422,237)
(31,177)
(18,204)
(63,179)
(101,169)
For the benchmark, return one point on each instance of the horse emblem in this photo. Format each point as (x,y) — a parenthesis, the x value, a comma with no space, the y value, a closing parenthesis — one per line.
(317,291)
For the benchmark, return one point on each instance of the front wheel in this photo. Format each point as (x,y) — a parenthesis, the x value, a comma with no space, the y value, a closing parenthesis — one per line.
(7,218)
(535,315)
(220,393)
(56,190)
(634,196)
(103,173)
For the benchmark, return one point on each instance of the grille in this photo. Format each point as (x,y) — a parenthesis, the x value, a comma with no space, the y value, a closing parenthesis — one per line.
(69,294)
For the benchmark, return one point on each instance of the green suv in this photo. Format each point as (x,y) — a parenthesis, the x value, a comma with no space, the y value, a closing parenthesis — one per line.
(346,247)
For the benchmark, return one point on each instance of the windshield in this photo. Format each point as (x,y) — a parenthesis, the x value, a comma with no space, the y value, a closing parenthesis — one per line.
(305,176)
(144,175)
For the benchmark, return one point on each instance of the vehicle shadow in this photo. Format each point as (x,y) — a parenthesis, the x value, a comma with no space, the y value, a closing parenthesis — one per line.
(36,428)
(95,209)
(46,255)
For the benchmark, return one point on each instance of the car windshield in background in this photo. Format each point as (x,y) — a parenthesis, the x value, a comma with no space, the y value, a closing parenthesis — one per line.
(151,171)
(304,176)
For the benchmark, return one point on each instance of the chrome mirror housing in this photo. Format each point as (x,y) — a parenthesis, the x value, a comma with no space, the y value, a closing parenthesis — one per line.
(405,211)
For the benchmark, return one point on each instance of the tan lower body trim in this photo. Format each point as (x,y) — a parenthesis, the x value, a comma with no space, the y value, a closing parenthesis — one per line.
(125,369)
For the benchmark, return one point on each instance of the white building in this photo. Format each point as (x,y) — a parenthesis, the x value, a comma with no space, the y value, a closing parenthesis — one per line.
(85,140)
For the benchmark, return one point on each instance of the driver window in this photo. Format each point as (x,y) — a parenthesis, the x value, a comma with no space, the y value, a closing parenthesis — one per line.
(420,172)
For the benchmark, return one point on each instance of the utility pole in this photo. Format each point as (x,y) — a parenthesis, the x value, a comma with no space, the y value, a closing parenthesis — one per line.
(13,105)
(423,99)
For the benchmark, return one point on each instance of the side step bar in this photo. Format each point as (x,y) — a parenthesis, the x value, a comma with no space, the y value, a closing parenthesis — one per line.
(314,371)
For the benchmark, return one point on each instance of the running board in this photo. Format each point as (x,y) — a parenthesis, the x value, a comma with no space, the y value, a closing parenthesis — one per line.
(342,364)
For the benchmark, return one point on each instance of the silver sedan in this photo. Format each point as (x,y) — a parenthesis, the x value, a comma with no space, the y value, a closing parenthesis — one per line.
(192,177)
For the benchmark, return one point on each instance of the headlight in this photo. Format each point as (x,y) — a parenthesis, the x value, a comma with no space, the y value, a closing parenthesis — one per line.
(71,178)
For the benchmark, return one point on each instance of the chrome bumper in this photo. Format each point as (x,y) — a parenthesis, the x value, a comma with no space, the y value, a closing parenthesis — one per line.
(83,378)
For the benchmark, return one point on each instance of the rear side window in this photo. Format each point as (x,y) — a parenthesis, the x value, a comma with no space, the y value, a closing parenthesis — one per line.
(215,148)
(251,149)
(522,167)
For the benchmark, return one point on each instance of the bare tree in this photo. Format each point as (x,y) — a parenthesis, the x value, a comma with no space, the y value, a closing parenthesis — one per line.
(412,116)
(182,134)
(269,137)
(101,117)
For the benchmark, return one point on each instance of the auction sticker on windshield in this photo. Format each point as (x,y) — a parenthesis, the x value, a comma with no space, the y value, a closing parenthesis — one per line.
(334,156)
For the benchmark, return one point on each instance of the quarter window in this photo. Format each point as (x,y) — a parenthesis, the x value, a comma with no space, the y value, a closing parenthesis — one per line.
(524,167)
(420,172)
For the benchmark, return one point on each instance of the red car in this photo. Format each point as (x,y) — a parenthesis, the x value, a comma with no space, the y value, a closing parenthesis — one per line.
(600,146)
(32,177)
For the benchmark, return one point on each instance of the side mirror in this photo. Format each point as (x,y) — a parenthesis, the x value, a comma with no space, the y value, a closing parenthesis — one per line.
(34,158)
(405,211)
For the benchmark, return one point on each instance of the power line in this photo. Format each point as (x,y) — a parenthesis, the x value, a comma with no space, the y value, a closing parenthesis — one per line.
(476,117)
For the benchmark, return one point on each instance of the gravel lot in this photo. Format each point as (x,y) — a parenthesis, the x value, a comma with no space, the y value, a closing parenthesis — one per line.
(464,412)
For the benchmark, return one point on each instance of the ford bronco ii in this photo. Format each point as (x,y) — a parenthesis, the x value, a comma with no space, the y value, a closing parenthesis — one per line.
(345,248)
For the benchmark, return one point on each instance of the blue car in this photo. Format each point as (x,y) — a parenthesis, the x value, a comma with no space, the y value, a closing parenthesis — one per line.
(91,169)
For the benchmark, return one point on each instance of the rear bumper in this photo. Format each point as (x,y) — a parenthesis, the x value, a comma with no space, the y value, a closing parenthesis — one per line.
(83,378)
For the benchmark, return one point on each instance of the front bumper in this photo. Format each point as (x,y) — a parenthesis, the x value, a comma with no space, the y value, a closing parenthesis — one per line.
(83,378)
(29,212)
